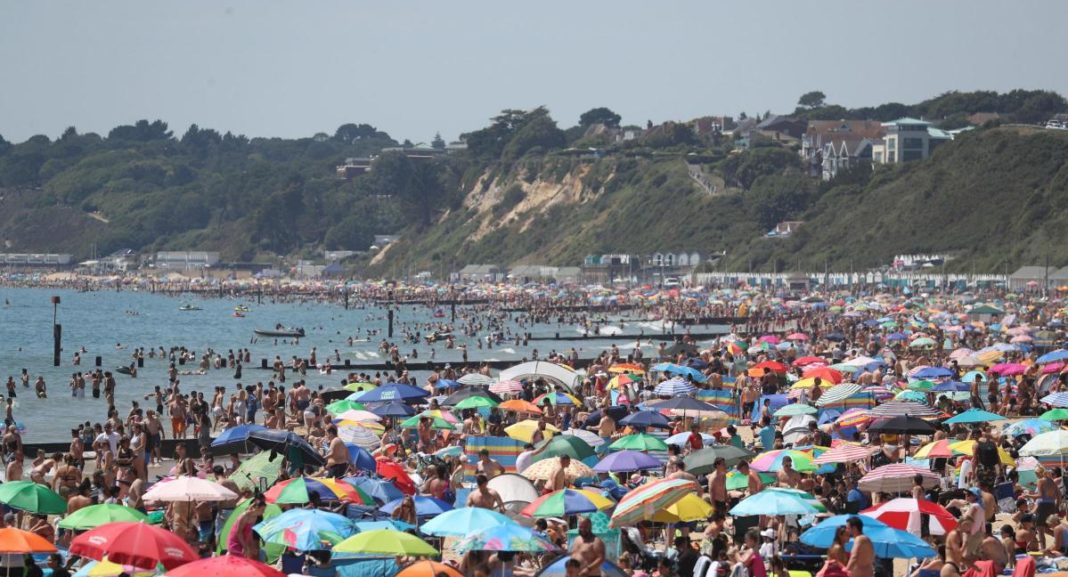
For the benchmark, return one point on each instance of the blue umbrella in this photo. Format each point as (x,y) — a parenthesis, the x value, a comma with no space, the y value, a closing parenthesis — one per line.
(674,387)
(424,506)
(235,439)
(380,490)
(448,384)
(674,369)
(626,461)
(305,529)
(974,416)
(1030,427)
(896,337)
(932,373)
(361,458)
(774,502)
(969,377)
(293,446)
(1056,399)
(1053,356)
(646,419)
(391,392)
(393,409)
(951,387)
(887,541)
(384,524)
(463,521)
(557,568)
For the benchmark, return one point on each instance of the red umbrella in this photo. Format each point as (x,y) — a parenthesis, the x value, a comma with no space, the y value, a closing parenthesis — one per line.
(396,473)
(137,544)
(805,361)
(905,514)
(225,566)
(824,373)
(773,366)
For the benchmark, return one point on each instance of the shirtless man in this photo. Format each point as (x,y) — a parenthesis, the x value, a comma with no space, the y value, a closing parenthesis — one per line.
(337,460)
(154,440)
(717,485)
(483,496)
(588,549)
(755,483)
(487,466)
(991,549)
(862,558)
(177,409)
(788,477)
(955,541)
(1047,503)
(558,478)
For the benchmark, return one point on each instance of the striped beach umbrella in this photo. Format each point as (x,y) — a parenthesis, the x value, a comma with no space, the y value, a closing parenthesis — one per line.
(1056,399)
(477,379)
(299,490)
(903,409)
(674,387)
(844,453)
(896,478)
(771,461)
(359,436)
(854,418)
(507,387)
(567,502)
(642,503)
(838,394)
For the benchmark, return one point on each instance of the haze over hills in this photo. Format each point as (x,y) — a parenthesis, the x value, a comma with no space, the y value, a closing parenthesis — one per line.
(524,190)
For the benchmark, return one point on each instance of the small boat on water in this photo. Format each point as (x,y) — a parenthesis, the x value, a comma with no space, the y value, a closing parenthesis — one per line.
(241,309)
(189,307)
(281,332)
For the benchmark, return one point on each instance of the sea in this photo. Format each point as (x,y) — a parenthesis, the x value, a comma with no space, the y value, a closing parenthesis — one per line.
(112,324)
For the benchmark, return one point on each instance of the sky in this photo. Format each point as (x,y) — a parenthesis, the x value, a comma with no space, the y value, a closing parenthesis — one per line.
(414,68)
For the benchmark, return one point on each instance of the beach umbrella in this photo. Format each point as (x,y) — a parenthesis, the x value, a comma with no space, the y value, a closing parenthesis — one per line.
(31,497)
(17,541)
(506,387)
(519,406)
(106,568)
(844,453)
(359,436)
(896,478)
(907,513)
(886,541)
(272,510)
(950,387)
(974,416)
(619,381)
(909,395)
(386,524)
(235,439)
(463,521)
(771,461)
(428,569)
(688,509)
(556,398)
(627,461)
(188,489)
(393,409)
(225,566)
(508,537)
(674,387)
(1058,414)
(737,481)
(361,458)
(514,488)
(1056,399)
(1053,357)
(794,409)
(358,387)
(468,392)
(570,445)
(853,418)
(435,423)
(902,425)
(922,343)
(922,385)
(838,394)
(701,462)
(379,489)
(1007,369)
(93,516)
(290,444)
(567,502)
(685,406)
(903,409)
(807,361)
(646,419)
(424,506)
(826,374)
(931,373)
(476,379)
(1051,444)
(774,501)
(396,473)
(1030,427)
(543,470)
(357,415)
(641,503)
(138,544)
(941,449)
(524,430)
(621,368)
(638,442)
(476,403)
(298,491)
(392,392)
(797,337)
(342,405)
(305,529)
(386,542)
(773,366)
(674,369)
(589,437)
(680,439)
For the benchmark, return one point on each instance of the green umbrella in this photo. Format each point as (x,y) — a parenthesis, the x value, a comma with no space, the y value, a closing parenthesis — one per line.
(794,409)
(702,461)
(338,407)
(921,386)
(359,387)
(436,423)
(386,542)
(94,516)
(31,497)
(476,403)
(1055,415)
(569,445)
(259,466)
(736,481)
(274,551)
(639,442)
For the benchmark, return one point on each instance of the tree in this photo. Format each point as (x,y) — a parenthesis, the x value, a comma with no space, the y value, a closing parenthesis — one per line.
(814,99)
(438,143)
(350,133)
(141,131)
(600,115)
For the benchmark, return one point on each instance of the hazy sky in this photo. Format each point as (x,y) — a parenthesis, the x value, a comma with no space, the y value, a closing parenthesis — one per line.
(272,68)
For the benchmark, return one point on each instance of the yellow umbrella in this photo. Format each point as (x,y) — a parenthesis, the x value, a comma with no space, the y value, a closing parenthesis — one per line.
(369,425)
(806,383)
(543,470)
(524,430)
(359,387)
(106,568)
(968,448)
(690,508)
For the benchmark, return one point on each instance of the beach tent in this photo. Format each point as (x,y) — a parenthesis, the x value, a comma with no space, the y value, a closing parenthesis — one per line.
(544,369)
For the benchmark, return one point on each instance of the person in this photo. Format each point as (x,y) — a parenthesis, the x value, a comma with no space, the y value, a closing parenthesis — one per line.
(750,557)
(687,557)
(405,512)
(558,477)
(30,568)
(694,442)
(991,549)
(524,459)
(588,549)
(55,563)
(241,542)
(788,476)
(487,466)
(717,484)
(837,551)
(862,557)
(768,549)
(337,460)
(483,496)
(1047,503)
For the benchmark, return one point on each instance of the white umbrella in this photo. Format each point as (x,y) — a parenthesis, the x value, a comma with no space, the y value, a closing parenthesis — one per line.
(590,437)
(476,379)
(1048,444)
(358,415)
(185,489)
(359,436)
(514,488)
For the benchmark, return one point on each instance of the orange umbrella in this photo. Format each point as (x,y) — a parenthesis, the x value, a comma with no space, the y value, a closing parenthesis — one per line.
(824,373)
(519,406)
(627,368)
(14,540)
(428,569)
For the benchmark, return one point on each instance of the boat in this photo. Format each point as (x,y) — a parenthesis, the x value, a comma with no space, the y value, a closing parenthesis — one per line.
(189,307)
(124,370)
(241,309)
(280,332)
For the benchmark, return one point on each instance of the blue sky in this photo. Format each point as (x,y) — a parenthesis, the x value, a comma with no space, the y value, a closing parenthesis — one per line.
(274,68)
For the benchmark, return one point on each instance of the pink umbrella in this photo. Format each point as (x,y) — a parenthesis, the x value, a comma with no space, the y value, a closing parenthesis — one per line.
(1007,369)
(770,339)
(1021,339)
(961,353)
(896,478)
(844,453)
(1052,368)
(506,387)
(797,337)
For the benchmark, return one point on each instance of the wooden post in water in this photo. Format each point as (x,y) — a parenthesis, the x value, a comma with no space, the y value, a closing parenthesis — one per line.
(57,332)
